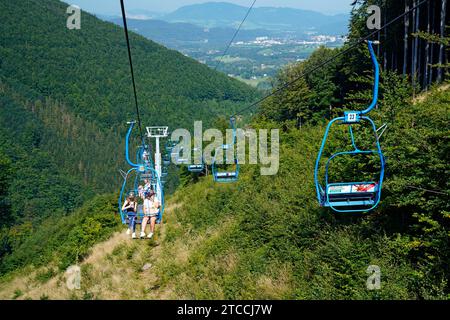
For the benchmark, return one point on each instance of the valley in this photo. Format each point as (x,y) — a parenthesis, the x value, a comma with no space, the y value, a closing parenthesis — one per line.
(271,38)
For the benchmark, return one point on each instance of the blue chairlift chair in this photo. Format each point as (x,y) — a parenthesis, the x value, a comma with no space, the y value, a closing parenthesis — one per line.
(229,175)
(359,196)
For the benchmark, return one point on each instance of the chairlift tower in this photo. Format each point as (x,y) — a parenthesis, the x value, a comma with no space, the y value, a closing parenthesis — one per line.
(157,133)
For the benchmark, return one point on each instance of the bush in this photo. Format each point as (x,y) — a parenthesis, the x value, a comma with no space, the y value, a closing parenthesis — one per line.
(66,240)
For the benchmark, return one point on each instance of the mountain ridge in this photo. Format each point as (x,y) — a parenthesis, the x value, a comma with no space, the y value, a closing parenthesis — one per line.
(228,15)
(272,18)
(166,32)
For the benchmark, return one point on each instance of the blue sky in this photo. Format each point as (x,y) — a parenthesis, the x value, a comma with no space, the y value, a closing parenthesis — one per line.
(113,7)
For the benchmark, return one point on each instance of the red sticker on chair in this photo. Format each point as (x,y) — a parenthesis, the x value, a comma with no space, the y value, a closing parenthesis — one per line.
(364,187)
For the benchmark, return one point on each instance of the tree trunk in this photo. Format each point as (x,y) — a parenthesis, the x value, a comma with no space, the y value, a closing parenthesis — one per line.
(432,49)
(427,50)
(405,41)
(385,40)
(441,47)
(419,59)
(414,49)
(394,61)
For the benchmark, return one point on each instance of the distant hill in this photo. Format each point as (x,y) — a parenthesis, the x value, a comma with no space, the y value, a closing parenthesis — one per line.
(174,34)
(222,14)
(143,14)
(210,26)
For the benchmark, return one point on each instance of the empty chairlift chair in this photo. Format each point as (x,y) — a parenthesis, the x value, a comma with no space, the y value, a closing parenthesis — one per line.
(169,146)
(227,175)
(166,159)
(164,172)
(176,156)
(198,166)
(360,196)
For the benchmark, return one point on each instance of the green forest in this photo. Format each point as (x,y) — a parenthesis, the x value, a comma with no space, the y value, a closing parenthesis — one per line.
(66,96)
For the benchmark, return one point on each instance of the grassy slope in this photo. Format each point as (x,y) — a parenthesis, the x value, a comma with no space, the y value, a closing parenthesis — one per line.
(264,237)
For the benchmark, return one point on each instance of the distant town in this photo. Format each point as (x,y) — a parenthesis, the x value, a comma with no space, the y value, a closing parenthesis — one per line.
(256,61)
(314,40)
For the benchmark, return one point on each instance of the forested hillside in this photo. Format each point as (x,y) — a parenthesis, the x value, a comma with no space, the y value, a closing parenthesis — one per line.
(66,96)
(85,74)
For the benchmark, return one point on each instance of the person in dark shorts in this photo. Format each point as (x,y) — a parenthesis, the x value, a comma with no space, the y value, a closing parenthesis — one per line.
(130,207)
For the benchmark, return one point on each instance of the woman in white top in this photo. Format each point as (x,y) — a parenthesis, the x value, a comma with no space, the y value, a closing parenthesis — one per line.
(151,210)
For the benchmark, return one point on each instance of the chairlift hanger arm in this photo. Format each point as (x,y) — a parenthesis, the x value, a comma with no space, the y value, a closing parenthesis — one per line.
(376,84)
(233,126)
(122,195)
(127,145)
(355,116)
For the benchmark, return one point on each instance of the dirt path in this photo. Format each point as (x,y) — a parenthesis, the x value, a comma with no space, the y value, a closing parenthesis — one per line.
(114,270)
